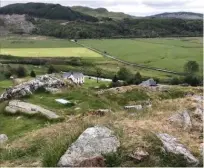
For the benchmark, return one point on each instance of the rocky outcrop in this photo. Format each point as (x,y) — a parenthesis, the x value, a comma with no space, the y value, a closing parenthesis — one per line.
(17,23)
(17,106)
(139,155)
(27,88)
(172,145)
(92,143)
(182,120)
(3,138)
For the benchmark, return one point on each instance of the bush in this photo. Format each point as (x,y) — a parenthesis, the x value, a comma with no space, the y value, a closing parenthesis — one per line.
(175,81)
(32,74)
(115,84)
(193,80)
(21,72)
(124,74)
(7,74)
(191,67)
(51,70)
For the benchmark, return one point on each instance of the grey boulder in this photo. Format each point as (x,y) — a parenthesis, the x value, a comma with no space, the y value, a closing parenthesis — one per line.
(172,145)
(92,143)
(181,119)
(3,138)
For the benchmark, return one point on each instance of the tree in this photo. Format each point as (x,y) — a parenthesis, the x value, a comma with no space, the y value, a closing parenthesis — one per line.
(192,80)
(51,70)
(21,72)
(124,74)
(115,78)
(32,74)
(138,78)
(191,67)
(98,73)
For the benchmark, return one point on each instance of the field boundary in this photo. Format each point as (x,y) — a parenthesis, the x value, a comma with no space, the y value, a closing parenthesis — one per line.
(129,63)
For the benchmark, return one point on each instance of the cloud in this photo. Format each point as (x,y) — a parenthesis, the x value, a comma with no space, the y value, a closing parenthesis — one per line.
(134,7)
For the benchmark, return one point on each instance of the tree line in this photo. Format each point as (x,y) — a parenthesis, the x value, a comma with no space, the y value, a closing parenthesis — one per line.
(128,28)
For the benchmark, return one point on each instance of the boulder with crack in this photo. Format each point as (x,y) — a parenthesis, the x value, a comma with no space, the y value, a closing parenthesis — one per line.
(181,119)
(17,106)
(27,88)
(91,144)
(172,145)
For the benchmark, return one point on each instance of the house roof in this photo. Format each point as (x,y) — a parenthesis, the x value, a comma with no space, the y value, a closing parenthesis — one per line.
(74,74)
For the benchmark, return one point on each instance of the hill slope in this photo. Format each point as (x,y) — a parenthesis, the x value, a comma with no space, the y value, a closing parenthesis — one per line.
(180,15)
(48,11)
(101,12)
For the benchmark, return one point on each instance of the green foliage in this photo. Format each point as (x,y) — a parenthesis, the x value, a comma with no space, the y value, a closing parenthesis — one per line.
(48,11)
(32,74)
(175,81)
(128,28)
(115,79)
(51,70)
(124,74)
(113,159)
(191,67)
(52,152)
(98,73)
(21,72)
(193,80)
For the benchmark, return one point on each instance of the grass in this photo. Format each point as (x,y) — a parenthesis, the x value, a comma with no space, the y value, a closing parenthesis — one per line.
(19,126)
(20,42)
(171,53)
(49,52)
(56,148)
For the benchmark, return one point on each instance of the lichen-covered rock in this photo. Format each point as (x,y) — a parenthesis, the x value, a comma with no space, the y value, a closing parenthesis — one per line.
(93,142)
(17,106)
(139,155)
(3,138)
(182,119)
(172,145)
(27,88)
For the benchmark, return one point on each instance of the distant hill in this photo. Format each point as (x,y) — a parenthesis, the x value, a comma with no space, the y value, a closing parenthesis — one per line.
(179,15)
(101,12)
(48,11)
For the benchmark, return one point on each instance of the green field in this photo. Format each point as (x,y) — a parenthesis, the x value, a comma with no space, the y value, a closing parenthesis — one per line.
(166,53)
(44,48)
(50,52)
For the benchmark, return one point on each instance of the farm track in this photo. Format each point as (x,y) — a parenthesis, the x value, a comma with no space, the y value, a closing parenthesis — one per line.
(129,63)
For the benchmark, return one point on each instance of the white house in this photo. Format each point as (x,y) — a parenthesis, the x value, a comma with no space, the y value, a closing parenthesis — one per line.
(76,77)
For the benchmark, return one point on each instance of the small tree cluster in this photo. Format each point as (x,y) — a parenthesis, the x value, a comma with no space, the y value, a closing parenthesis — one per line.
(19,72)
(127,77)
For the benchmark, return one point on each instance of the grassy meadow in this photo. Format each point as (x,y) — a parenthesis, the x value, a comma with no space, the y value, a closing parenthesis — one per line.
(166,53)
(24,47)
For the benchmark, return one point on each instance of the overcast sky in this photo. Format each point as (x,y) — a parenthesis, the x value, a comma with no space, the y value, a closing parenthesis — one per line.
(133,7)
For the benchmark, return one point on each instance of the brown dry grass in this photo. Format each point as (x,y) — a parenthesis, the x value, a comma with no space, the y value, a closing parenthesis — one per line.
(131,130)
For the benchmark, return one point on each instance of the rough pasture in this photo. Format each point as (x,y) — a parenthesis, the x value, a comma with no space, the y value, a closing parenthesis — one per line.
(166,53)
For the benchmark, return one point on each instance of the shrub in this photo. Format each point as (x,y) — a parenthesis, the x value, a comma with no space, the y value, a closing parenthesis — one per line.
(193,80)
(124,74)
(51,70)
(175,81)
(191,67)
(21,72)
(32,74)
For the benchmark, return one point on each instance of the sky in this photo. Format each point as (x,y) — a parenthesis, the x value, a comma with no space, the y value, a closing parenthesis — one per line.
(132,7)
